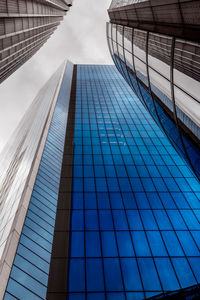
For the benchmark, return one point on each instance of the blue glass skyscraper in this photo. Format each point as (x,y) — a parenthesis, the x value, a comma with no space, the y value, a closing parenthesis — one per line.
(114,211)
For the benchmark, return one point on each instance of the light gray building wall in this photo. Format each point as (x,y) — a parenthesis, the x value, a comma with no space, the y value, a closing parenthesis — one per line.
(19,163)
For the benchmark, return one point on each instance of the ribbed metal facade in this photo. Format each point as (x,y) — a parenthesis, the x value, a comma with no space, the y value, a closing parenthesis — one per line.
(163,70)
(25,25)
(179,18)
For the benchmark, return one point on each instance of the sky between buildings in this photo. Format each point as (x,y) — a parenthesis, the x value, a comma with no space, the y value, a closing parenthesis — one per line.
(81,38)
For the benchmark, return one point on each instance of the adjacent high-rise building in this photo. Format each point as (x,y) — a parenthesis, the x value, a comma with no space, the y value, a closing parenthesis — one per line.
(95,201)
(156,47)
(25,25)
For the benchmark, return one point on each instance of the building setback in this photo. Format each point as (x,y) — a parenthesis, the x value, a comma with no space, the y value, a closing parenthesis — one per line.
(96,203)
(156,47)
(25,25)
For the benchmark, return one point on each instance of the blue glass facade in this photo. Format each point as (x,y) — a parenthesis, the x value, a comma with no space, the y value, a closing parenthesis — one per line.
(30,271)
(135,209)
(135,202)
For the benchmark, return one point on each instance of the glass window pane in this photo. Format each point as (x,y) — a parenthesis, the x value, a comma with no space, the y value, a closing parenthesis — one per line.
(131,275)
(94,278)
(113,274)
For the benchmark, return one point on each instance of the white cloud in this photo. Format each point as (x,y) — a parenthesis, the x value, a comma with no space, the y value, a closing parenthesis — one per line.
(81,38)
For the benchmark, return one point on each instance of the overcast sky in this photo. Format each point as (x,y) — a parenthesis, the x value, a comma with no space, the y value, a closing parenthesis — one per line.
(81,38)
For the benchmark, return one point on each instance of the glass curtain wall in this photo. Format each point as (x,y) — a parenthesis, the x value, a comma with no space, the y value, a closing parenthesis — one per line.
(135,208)
(164,74)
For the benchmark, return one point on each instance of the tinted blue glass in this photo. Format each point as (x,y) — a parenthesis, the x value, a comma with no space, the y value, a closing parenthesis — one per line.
(136,215)
(29,282)
(76,296)
(77,220)
(194,263)
(195,235)
(124,243)
(167,201)
(148,220)
(19,291)
(120,220)
(89,185)
(116,201)
(190,219)
(98,296)
(156,243)
(9,297)
(109,247)
(131,275)
(113,185)
(149,275)
(141,201)
(44,266)
(41,231)
(125,185)
(188,244)
(162,220)
(35,248)
(197,214)
(172,243)
(192,199)
(140,243)
(180,200)
(103,200)
(115,296)
(29,268)
(134,220)
(77,244)
(77,275)
(78,185)
(92,244)
(94,275)
(110,171)
(105,219)
(90,201)
(184,273)
(41,214)
(99,171)
(113,274)
(129,201)
(132,172)
(166,273)
(91,220)
(101,185)
(88,171)
(37,238)
(176,219)
(135,296)
(154,201)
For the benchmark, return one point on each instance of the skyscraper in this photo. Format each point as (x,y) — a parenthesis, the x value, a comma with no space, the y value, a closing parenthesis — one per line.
(25,25)
(156,45)
(104,207)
